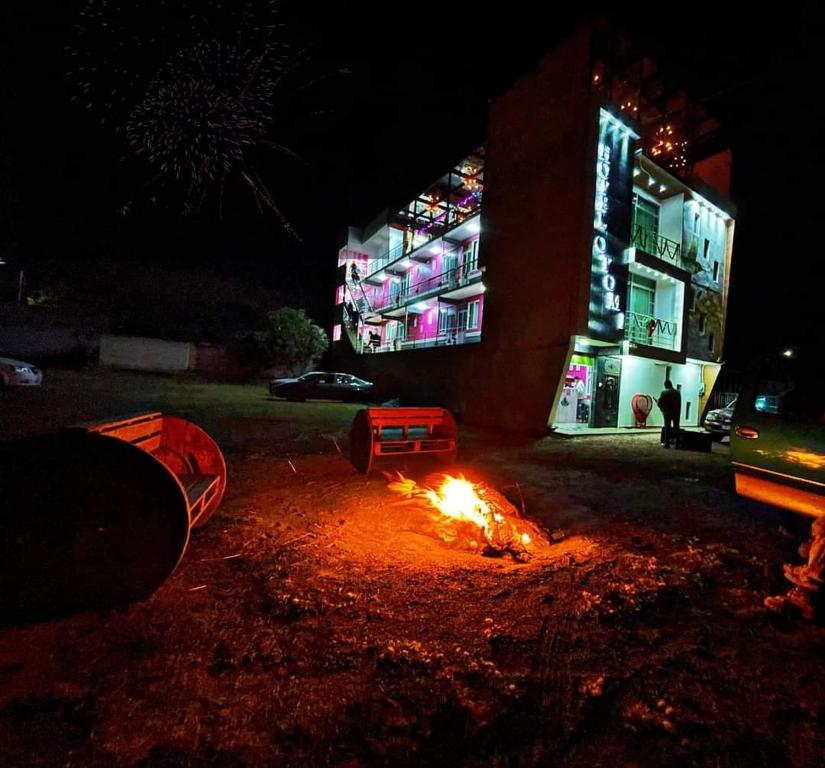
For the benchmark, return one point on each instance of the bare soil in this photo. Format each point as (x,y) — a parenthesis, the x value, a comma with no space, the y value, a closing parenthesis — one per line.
(312,623)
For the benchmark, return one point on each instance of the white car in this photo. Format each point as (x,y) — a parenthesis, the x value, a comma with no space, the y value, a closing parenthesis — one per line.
(16,373)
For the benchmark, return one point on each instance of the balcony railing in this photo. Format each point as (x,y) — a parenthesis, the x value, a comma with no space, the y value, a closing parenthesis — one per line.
(649,330)
(445,338)
(656,245)
(454,278)
(420,241)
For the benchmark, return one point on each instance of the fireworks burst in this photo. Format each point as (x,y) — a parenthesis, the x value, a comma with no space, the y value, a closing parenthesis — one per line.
(202,116)
(194,93)
(119,45)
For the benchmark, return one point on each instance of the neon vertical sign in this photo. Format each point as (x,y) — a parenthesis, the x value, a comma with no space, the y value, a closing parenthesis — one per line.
(611,228)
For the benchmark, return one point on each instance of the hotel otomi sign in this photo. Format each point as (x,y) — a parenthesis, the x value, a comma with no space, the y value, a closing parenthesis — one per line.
(611,228)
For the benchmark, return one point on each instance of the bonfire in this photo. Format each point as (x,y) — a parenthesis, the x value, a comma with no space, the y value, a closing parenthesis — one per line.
(471,516)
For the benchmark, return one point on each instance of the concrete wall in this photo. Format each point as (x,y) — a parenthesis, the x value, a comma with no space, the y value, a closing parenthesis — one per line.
(647,377)
(141,354)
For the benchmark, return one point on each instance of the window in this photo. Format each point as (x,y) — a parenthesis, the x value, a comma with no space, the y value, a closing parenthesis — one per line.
(446,319)
(710,342)
(692,294)
(715,271)
(395,331)
(645,214)
(701,322)
(468,316)
(470,256)
(336,332)
(707,248)
(448,266)
(642,295)
(472,314)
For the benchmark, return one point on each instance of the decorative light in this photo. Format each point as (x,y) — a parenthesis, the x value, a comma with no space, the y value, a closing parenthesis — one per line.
(432,204)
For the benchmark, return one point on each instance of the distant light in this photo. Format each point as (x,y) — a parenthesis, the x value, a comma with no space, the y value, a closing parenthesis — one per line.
(651,181)
(787,353)
(483,288)
(662,187)
(636,172)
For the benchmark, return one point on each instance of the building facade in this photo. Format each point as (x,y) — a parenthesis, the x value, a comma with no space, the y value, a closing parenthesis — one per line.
(574,262)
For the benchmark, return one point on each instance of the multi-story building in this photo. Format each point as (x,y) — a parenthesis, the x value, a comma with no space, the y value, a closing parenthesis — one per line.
(576,260)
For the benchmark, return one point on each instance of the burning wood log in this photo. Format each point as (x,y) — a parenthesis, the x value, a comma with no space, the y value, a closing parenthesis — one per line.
(471,516)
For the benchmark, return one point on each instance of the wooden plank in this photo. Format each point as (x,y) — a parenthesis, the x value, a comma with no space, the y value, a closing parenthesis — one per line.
(134,433)
(110,425)
(197,486)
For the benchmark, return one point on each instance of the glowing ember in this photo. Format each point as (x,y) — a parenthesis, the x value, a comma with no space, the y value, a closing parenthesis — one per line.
(472,515)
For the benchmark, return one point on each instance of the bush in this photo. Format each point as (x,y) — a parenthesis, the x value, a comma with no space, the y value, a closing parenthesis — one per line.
(292,340)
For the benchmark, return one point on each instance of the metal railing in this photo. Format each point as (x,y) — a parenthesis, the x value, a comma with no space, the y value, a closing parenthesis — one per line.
(652,331)
(398,252)
(657,245)
(457,277)
(442,339)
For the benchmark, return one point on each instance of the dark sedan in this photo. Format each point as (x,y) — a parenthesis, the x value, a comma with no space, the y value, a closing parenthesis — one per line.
(718,421)
(322,386)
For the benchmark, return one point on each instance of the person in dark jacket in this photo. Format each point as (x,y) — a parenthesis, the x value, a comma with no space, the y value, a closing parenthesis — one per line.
(670,404)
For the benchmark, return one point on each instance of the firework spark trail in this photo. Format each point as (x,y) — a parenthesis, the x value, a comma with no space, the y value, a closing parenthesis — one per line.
(195,97)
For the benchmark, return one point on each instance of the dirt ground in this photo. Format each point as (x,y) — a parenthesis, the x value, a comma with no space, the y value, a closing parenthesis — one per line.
(312,623)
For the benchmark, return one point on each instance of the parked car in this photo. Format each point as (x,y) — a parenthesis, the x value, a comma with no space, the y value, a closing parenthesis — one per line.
(718,421)
(322,386)
(16,373)
(778,435)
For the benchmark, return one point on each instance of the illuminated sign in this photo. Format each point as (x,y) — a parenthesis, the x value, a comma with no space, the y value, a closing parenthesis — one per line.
(611,228)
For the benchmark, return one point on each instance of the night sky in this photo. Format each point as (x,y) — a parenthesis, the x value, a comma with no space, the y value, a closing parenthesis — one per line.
(419,79)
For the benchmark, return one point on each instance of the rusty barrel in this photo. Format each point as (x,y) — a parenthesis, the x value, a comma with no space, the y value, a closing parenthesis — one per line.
(87,522)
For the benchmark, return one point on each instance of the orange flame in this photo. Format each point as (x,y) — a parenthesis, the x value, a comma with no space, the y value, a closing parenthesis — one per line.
(471,513)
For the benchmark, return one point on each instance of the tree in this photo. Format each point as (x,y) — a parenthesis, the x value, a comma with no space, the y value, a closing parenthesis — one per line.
(292,339)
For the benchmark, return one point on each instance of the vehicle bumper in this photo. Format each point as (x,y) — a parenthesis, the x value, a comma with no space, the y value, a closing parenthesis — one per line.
(716,428)
(23,379)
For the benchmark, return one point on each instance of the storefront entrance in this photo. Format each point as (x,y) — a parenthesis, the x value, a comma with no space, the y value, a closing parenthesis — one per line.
(606,393)
(575,405)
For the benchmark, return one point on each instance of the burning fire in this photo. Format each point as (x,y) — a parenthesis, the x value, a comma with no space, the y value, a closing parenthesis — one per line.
(473,515)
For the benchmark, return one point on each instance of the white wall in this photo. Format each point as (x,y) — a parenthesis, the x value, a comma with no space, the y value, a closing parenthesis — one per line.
(641,376)
(670,218)
(141,354)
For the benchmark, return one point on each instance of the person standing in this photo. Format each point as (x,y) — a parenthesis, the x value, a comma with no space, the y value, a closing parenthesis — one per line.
(670,404)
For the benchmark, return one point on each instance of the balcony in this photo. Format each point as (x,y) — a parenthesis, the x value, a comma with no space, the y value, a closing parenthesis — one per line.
(651,331)
(422,247)
(656,245)
(442,285)
(444,338)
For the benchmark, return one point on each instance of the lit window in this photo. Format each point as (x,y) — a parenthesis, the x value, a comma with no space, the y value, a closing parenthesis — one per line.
(472,314)
(336,332)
